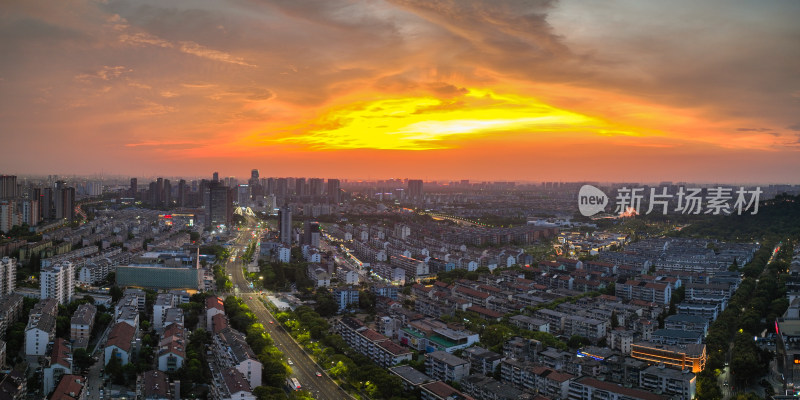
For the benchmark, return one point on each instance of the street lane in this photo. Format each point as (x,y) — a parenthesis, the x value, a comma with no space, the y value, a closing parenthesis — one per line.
(303,368)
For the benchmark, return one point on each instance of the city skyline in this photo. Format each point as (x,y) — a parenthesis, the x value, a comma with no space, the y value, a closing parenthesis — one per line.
(508,91)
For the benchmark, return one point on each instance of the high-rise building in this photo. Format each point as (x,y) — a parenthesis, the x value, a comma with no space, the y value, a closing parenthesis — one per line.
(57,282)
(8,215)
(46,205)
(243,195)
(285,228)
(281,188)
(166,194)
(134,188)
(270,186)
(316,187)
(64,199)
(8,276)
(300,187)
(8,186)
(311,233)
(181,200)
(334,191)
(215,177)
(219,210)
(415,192)
(158,196)
(256,189)
(30,212)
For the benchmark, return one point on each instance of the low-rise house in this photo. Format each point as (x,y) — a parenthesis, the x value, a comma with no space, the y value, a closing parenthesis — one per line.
(231,384)
(60,364)
(214,305)
(120,343)
(232,351)
(172,348)
(71,387)
(154,386)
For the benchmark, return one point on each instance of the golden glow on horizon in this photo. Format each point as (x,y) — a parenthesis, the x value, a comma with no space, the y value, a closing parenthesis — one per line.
(428,123)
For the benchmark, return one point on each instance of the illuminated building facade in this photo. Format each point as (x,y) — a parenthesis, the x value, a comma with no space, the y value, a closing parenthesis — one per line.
(688,356)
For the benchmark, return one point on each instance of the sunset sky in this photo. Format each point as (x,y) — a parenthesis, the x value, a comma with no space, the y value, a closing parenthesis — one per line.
(612,90)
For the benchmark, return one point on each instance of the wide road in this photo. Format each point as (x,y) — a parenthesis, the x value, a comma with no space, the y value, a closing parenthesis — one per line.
(303,368)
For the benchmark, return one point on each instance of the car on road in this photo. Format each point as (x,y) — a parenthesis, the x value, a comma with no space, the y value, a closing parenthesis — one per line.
(250,297)
(726,383)
(271,321)
(319,373)
(289,360)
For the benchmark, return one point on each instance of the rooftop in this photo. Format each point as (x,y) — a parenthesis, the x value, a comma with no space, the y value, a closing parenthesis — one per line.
(121,335)
(84,315)
(447,358)
(410,375)
(69,388)
(155,384)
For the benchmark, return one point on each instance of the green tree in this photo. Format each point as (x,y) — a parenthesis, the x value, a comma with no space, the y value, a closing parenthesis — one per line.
(82,359)
(269,393)
(707,388)
(577,341)
(116,293)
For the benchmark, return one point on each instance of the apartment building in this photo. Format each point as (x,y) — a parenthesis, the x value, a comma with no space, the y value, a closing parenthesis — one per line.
(80,327)
(232,351)
(444,366)
(659,379)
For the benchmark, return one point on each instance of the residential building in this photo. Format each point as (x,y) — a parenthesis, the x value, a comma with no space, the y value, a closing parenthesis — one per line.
(230,384)
(164,301)
(411,378)
(685,322)
(482,361)
(232,351)
(676,336)
(41,328)
(172,348)
(529,323)
(345,297)
(214,306)
(154,386)
(441,391)
(588,388)
(71,387)
(483,387)
(81,325)
(444,366)
(10,309)
(659,379)
(285,225)
(60,364)
(8,276)
(58,282)
(120,343)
